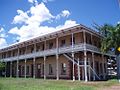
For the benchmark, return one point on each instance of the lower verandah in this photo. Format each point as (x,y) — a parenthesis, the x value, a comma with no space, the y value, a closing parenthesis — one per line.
(40,68)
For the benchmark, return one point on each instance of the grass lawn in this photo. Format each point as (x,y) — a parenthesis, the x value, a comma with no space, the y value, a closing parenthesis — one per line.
(40,84)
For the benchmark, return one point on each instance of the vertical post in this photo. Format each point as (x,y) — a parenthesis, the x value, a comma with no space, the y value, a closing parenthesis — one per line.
(34,69)
(57,66)
(17,71)
(25,60)
(93,65)
(25,68)
(73,57)
(73,67)
(78,69)
(11,69)
(44,61)
(83,73)
(34,65)
(44,67)
(85,65)
(57,60)
(103,68)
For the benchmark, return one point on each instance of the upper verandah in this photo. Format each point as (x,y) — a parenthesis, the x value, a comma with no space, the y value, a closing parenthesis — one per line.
(59,33)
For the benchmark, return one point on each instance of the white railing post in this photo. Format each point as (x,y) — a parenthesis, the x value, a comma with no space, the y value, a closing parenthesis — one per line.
(25,68)
(57,60)
(78,69)
(93,65)
(85,65)
(17,71)
(44,67)
(44,61)
(34,67)
(73,57)
(34,64)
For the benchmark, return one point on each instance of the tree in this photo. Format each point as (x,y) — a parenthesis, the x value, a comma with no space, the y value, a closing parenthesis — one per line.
(110,41)
(2,65)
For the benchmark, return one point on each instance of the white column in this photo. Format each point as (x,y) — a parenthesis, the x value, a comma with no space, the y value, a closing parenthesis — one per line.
(89,70)
(34,59)
(73,67)
(34,67)
(57,60)
(73,57)
(85,65)
(78,69)
(11,69)
(44,60)
(17,70)
(57,67)
(93,65)
(25,68)
(44,67)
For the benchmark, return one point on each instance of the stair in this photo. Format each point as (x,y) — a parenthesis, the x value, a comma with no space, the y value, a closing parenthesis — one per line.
(81,63)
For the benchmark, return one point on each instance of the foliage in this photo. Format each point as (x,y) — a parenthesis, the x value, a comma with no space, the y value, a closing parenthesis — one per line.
(111,37)
(2,65)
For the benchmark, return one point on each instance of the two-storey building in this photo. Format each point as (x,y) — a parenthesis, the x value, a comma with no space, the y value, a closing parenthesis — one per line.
(72,53)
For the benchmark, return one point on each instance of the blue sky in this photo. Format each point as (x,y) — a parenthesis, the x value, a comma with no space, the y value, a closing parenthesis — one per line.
(25,19)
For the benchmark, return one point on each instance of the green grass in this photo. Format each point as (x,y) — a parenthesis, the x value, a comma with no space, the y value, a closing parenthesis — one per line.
(39,84)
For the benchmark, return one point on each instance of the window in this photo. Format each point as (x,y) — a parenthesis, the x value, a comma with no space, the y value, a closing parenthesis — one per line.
(62,43)
(63,68)
(50,69)
(27,70)
(51,45)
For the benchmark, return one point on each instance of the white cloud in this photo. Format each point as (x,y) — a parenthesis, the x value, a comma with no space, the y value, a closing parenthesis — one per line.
(45,1)
(1,29)
(3,43)
(37,15)
(67,24)
(21,17)
(29,31)
(33,1)
(64,13)
(32,20)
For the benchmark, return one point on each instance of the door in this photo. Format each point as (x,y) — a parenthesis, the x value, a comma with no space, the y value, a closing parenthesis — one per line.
(39,70)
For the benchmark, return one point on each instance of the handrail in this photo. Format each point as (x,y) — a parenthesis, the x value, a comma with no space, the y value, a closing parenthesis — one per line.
(83,66)
(53,51)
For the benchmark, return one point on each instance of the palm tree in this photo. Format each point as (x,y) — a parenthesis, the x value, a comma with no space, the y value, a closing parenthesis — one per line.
(111,41)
